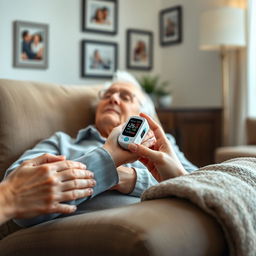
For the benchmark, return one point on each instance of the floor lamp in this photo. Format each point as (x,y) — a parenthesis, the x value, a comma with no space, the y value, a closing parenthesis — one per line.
(223,29)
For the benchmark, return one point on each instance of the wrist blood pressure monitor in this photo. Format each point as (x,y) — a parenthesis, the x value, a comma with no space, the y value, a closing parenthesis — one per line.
(134,131)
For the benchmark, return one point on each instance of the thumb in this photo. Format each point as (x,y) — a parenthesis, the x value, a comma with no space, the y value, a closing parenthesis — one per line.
(143,151)
(46,158)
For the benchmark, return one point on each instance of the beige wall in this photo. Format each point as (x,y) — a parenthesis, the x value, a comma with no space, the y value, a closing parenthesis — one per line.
(194,74)
(63,17)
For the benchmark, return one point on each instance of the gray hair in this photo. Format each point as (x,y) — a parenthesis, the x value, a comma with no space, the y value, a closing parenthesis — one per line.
(146,105)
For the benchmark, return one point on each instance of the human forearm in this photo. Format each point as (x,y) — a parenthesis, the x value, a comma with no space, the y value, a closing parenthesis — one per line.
(119,157)
(100,162)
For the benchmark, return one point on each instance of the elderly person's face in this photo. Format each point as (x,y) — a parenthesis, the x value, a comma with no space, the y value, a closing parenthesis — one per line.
(117,104)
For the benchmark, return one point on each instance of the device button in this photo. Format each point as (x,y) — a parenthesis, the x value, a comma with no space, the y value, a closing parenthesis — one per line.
(143,132)
(126,139)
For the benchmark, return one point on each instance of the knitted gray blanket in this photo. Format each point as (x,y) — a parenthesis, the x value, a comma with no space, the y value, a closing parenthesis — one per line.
(227,191)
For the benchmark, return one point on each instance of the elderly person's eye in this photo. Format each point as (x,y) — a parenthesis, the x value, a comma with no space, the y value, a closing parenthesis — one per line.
(108,94)
(105,94)
(125,96)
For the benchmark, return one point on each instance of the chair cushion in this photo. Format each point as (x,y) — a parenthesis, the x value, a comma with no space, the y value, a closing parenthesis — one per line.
(155,227)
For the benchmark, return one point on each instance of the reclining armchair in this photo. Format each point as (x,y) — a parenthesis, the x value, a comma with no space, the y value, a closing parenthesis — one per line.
(32,111)
(249,150)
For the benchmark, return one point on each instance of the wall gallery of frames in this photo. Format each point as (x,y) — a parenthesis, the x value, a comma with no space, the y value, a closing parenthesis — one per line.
(99,59)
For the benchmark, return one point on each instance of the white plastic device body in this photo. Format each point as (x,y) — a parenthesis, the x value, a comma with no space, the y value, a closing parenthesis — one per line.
(134,131)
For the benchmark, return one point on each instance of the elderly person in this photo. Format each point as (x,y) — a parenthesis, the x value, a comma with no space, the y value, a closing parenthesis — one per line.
(96,147)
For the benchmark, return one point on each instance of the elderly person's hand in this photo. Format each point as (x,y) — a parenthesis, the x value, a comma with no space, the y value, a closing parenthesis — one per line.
(127,176)
(121,156)
(160,159)
(38,186)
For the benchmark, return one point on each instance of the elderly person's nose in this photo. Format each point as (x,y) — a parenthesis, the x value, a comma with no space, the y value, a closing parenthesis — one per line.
(115,97)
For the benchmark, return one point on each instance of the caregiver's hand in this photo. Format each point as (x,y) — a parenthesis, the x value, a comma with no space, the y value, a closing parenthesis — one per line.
(160,159)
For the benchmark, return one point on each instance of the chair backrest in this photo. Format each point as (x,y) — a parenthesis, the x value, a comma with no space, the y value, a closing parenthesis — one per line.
(32,111)
(251,130)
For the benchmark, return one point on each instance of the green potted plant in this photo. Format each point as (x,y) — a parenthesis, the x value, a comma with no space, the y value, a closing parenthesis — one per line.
(159,91)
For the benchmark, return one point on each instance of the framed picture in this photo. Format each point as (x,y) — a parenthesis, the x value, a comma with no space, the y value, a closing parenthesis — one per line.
(171,26)
(99,59)
(30,42)
(100,16)
(139,49)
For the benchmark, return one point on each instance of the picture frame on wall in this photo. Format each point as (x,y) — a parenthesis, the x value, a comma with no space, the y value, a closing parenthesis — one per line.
(30,45)
(170,22)
(99,59)
(139,54)
(100,16)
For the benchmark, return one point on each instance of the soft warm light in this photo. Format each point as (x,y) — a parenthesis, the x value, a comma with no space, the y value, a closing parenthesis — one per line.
(223,27)
(237,3)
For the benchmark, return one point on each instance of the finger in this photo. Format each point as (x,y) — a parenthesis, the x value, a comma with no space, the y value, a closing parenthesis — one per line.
(62,208)
(75,194)
(64,165)
(153,125)
(78,184)
(44,159)
(149,143)
(149,135)
(71,174)
(54,158)
(143,151)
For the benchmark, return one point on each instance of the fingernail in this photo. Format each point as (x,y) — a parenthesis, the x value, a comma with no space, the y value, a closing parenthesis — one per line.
(90,191)
(91,174)
(133,147)
(73,208)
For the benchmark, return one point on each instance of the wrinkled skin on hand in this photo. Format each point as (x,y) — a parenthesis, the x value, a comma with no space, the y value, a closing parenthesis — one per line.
(38,186)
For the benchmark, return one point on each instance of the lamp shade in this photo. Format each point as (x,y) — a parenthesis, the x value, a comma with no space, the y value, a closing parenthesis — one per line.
(223,27)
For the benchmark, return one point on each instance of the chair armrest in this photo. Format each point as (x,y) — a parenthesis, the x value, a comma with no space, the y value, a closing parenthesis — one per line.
(157,227)
(250,130)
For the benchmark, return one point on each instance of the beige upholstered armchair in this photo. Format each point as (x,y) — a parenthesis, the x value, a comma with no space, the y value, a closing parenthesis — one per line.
(31,111)
(249,150)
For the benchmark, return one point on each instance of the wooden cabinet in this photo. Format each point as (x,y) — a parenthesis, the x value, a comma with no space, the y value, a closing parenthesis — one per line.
(197,132)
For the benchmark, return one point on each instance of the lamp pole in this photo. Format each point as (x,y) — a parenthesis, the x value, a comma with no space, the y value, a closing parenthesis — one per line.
(225,96)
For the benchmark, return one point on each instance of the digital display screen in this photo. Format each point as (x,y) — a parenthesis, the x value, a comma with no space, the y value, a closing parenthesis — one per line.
(132,127)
